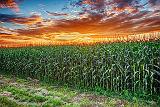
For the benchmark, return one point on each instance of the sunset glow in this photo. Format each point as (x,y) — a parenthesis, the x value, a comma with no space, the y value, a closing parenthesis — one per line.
(74,22)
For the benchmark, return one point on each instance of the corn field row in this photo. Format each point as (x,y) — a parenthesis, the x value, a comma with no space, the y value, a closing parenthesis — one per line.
(117,67)
(117,38)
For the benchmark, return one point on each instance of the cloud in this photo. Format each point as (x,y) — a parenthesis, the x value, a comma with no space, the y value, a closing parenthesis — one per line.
(96,19)
(154,2)
(130,6)
(20,20)
(56,14)
(7,17)
(130,23)
(102,6)
(98,5)
(83,25)
(27,20)
(94,22)
(126,7)
(4,30)
(12,4)
(91,6)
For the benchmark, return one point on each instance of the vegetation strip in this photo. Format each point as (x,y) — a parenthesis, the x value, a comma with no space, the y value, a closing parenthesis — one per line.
(21,93)
(134,67)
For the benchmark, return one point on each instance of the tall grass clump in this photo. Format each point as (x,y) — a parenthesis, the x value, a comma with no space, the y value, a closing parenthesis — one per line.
(134,67)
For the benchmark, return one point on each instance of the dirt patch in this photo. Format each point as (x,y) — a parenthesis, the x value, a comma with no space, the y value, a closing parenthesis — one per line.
(91,97)
(97,101)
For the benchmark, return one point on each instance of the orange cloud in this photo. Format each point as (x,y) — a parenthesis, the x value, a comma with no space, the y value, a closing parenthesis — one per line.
(129,9)
(98,24)
(4,30)
(9,4)
(27,20)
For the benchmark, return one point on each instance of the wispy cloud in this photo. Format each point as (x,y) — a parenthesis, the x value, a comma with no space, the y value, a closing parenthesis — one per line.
(20,19)
(56,14)
(6,31)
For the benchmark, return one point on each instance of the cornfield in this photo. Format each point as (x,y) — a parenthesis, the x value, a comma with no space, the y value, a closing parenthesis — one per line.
(117,67)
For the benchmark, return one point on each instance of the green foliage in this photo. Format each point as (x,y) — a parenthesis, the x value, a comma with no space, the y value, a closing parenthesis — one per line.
(53,103)
(5,102)
(22,93)
(134,67)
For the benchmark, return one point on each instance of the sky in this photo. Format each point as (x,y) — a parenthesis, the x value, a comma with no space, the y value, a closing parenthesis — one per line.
(59,21)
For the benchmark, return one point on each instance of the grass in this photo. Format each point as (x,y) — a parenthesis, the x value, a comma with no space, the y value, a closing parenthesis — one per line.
(23,93)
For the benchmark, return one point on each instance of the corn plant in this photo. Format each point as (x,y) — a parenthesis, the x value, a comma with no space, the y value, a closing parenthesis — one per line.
(117,67)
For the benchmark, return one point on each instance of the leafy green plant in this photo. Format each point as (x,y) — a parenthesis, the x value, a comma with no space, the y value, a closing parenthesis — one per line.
(117,67)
